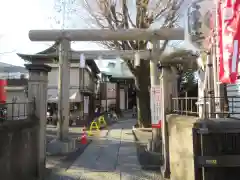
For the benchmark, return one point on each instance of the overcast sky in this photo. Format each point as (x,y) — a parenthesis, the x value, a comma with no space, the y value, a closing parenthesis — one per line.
(17,17)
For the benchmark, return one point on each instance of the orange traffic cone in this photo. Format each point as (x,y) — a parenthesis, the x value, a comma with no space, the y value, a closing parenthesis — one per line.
(84,137)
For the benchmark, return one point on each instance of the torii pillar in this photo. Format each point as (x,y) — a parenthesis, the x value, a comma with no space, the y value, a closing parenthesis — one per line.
(63,89)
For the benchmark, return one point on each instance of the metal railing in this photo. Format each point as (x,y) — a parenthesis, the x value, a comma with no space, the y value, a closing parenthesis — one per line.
(190,105)
(184,105)
(16,110)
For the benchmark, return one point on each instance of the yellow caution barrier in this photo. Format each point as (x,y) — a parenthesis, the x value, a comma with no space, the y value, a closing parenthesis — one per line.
(94,125)
(102,122)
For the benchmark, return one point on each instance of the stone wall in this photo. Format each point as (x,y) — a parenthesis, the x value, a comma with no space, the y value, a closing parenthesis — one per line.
(181,146)
(18,150)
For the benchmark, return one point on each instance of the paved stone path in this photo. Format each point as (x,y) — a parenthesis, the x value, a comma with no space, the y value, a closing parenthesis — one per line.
(113,156)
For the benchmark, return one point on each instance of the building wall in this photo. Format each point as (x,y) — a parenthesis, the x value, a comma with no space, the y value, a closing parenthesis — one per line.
(111,90)
(76,80)
(108,94)
(74,76)
(233,92)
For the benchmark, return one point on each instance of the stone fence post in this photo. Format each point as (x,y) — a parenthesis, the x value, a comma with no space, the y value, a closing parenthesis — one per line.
(37,88)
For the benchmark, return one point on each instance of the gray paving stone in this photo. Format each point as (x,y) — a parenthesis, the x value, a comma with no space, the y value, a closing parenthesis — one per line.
(113,156)
(140,175)
(63,175)
(88,158)
(94,175)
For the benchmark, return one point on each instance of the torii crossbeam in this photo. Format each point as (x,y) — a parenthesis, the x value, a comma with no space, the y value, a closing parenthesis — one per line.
(107,35)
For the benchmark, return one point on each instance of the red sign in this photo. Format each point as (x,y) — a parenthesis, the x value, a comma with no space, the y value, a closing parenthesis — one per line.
(3,93)
(229,37)
(158,125)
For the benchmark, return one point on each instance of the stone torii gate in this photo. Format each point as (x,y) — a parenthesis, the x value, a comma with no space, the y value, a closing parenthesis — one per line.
(66,36)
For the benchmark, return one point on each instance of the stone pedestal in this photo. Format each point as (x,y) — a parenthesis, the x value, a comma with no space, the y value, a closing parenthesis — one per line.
(57,147)
(37,89)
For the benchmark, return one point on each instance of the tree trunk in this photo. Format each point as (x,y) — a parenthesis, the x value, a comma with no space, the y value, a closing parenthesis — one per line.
(142,81)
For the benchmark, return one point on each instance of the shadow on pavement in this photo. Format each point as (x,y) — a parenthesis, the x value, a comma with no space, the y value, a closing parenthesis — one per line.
(148,160)
(110,159)
(58,162)
(63,162)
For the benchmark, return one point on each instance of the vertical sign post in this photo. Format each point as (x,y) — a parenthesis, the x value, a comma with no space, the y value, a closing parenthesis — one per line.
(82,64)
(156,106)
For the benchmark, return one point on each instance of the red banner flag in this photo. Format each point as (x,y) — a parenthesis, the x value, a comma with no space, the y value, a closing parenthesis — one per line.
(229,37)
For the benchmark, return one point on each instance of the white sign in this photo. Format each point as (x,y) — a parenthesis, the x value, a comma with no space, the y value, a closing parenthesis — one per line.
(137,59)
(82,61)
(155,98)
(86,104)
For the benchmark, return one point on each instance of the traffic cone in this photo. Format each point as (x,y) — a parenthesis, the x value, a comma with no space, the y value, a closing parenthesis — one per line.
(84,137)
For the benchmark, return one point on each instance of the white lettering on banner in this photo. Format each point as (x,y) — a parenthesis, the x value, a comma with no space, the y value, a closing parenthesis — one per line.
(155,98)
(235,56)
(228,13)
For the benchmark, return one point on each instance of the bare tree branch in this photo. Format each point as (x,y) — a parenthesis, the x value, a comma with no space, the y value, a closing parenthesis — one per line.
(113,14)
